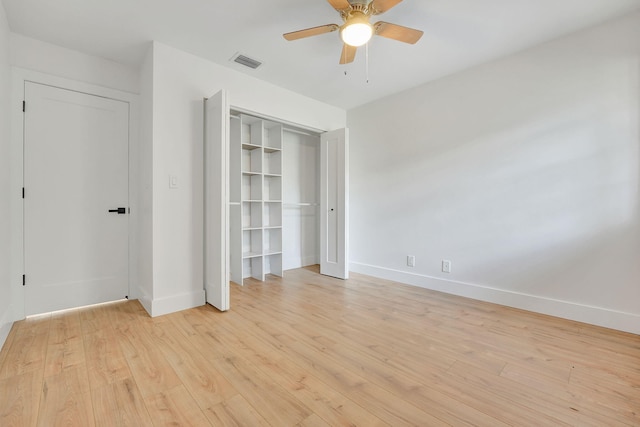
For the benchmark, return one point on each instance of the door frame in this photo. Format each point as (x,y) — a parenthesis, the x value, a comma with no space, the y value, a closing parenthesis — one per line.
(19,77)
(322,217)
(221,191)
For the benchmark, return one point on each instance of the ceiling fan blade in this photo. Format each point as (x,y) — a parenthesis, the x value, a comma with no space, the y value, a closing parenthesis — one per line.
(314,31)
(340,5)
(348,54)
(381,6)
(397,32)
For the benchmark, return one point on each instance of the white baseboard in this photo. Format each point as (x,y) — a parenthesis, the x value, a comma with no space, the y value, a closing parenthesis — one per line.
(627,322)
(145,300)
(298,262)
(6,322)
(160,306)
(310,260)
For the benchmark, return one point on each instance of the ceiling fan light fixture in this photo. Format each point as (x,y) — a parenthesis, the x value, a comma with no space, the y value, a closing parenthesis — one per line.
(357,30)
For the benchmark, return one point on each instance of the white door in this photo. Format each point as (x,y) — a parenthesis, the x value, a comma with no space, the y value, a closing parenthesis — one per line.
(334,203)
(75,171)
(216,213)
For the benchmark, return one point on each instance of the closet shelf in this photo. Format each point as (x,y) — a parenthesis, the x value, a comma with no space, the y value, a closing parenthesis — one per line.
(274,252)
(256,224)
(297,205)
(251,254)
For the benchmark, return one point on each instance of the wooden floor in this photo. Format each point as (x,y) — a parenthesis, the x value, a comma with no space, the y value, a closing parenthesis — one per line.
(314,351)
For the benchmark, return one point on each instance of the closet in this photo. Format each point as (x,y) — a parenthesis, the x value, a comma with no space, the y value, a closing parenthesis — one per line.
(275,198)
(273,215)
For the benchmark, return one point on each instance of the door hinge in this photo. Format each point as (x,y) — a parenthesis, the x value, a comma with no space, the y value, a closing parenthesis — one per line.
(24,106)
(23,192)
(24,280)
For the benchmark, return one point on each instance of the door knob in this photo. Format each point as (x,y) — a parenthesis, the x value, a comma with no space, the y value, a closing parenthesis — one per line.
(119,211)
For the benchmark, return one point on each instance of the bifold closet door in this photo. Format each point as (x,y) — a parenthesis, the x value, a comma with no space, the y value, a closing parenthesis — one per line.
(334,203)
(216,199)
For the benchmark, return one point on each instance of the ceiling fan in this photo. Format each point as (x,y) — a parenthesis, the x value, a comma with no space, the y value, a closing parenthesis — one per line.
(356,29)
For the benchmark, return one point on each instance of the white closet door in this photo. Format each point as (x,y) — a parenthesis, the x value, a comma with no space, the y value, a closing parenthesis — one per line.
(334,203)
(76,222)
(216,184)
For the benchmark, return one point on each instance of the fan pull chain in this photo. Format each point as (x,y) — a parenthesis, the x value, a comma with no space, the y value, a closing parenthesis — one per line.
(344,57)
(366,50)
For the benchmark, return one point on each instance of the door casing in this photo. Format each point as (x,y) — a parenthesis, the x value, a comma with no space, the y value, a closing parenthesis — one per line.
(19,77)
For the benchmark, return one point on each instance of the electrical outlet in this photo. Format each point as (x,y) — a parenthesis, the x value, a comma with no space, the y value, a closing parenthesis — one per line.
(411,260)
(446,266)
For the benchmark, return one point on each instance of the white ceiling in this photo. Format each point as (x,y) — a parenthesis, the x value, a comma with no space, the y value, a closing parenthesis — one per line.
(458,35)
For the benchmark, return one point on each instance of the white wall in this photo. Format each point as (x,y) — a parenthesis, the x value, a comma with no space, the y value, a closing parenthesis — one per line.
(301,198)
(48,58)
(180,82)
(523,172)
(145,189)
(6,315)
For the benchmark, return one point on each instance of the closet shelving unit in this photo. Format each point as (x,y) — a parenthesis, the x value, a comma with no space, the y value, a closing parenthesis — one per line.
(255,198)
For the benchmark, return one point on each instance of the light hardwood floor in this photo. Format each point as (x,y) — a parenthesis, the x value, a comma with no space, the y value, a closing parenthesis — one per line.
(314,351)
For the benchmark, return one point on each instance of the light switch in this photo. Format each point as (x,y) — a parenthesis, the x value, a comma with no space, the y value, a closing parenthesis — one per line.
(173,181)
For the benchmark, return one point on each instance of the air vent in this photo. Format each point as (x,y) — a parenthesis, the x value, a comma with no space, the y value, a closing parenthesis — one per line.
(246,61)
